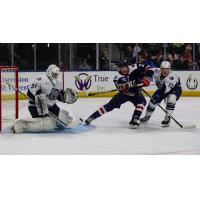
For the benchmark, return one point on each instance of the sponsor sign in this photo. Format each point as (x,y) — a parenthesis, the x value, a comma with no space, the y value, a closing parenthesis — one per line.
(96,81)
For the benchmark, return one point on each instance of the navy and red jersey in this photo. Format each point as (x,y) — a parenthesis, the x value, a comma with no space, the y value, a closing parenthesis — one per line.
(138,73)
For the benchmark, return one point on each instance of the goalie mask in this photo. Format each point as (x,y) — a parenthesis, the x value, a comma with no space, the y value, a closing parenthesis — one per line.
(52,73)
(70,96)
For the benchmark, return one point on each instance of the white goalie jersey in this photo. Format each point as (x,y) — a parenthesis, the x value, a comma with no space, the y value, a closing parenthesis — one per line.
(168,83)
(43,85)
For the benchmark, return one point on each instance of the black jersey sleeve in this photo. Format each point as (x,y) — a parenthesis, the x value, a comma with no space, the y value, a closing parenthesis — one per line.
(147,72)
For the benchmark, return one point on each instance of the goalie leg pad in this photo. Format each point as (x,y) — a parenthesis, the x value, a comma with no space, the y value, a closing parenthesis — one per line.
(34,125)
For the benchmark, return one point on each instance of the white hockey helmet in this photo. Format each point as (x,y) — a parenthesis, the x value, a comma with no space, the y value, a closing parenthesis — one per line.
(53,73)
(165,65)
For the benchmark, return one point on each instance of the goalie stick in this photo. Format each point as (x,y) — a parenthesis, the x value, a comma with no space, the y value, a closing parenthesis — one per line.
(50,114)
(178,123)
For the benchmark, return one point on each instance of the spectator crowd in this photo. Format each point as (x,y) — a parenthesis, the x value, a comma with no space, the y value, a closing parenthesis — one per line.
(179,55)
(86,56)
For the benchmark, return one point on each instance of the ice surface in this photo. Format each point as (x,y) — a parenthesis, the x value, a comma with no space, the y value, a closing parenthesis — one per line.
(110,134)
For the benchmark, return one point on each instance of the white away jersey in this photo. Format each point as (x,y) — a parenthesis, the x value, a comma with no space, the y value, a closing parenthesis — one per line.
(43,85)
(171,81)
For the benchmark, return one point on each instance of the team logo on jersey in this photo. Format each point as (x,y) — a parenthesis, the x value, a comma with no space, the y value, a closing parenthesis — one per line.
(54,94)
(192,83)
(83,81)
(124,79)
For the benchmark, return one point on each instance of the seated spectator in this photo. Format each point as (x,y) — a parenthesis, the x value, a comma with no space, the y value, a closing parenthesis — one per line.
(178,47)
(63,67)
(198,56)
(104,61)
(151,59)
(84,66)
(173,58)
(132,53)
(131,59)
(160,57)
(186,59)
(142,57)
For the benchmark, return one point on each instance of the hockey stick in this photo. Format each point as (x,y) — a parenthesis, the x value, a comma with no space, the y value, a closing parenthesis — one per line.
(182,126)
(102,92)
(50,114)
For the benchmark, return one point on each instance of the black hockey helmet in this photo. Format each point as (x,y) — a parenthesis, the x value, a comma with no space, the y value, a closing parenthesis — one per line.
(122,63)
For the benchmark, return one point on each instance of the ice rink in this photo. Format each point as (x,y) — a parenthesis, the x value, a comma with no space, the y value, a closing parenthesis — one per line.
(110,134)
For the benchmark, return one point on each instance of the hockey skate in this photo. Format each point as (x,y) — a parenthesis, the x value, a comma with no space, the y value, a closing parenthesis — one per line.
(12,130)
(88,121)
(166,122)
(145,119)
(134,123)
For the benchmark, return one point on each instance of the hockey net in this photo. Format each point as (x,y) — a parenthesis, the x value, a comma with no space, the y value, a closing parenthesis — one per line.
(9,104)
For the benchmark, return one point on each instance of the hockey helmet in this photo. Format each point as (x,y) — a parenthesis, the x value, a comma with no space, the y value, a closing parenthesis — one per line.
(53,73)
(122,63)
(165,65)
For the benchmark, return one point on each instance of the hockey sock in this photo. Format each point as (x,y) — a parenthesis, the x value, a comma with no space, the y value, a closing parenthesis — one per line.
(170,108)
(150,109)
(138,111)
(104,109)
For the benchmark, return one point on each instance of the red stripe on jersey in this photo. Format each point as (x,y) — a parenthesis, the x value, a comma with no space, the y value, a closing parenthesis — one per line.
(102,110)
(147,68)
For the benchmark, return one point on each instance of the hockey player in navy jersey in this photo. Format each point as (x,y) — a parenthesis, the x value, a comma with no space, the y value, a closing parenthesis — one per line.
(169,88)
(128,82)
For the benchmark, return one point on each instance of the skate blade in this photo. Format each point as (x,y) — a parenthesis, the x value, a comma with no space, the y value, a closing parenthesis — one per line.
(165,126)
(133,127)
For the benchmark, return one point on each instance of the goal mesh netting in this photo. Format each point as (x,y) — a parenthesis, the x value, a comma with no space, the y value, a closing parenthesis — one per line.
(9,96)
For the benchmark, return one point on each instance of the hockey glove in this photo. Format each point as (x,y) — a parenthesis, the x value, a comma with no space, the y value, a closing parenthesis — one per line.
(122,88)
(70,96)
(145,82)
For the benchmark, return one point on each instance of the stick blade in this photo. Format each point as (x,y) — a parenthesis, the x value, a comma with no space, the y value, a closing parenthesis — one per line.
(192,126)
(75,123)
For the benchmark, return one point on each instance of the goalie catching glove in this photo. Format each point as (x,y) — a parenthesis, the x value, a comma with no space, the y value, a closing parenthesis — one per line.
(70,96)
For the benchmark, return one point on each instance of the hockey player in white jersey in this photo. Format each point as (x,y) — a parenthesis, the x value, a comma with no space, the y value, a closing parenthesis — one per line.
(169,89)
(43,94)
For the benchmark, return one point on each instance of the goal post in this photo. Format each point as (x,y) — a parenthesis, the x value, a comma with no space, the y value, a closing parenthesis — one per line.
(9,100)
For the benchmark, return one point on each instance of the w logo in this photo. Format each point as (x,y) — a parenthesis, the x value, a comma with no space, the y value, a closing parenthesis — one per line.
(83,81)
(192,82)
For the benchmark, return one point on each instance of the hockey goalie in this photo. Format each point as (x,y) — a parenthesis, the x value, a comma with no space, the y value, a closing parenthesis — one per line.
(42,96)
